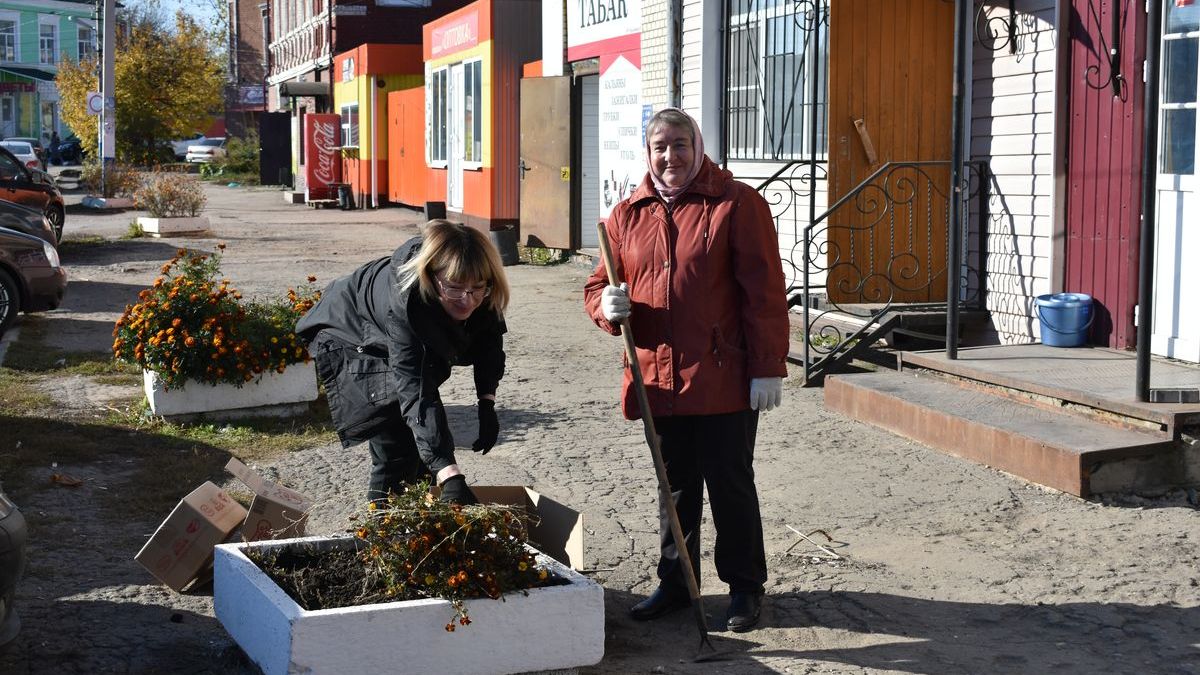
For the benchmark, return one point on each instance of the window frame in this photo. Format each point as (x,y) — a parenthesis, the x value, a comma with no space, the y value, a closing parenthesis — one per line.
(439,137)
(15,19)
(91,52)
(1167,109)
(473,114)
(52,24)
(349,125)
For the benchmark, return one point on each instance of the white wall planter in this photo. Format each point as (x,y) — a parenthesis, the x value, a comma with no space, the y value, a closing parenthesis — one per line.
(553,628)
(273,393)
(166,226)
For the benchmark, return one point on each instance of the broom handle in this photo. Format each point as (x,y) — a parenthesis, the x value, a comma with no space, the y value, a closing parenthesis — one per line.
(652,439)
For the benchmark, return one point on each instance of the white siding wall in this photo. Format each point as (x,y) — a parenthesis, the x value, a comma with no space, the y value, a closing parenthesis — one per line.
(1012,128)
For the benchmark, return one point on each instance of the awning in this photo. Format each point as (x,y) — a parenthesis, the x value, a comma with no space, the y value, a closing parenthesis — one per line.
(304,89)
(29,73)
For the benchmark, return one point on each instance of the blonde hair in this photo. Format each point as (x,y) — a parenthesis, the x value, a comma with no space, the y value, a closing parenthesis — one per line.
(461,255)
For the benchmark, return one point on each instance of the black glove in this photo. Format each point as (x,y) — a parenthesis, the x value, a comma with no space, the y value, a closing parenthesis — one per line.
(489,427)
(455,491)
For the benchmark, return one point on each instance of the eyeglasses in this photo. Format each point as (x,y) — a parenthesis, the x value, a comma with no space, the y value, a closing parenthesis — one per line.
(452,293)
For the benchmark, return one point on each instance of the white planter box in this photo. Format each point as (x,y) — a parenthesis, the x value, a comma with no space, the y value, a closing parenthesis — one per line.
(161,226)
(272,393)
(553,628)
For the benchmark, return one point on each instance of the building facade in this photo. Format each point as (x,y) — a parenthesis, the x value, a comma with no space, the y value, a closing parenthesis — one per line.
(35,37)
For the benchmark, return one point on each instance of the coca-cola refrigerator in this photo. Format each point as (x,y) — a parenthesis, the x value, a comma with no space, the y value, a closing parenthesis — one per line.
(322,160)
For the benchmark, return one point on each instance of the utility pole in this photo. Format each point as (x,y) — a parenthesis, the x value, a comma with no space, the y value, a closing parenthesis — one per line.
(108,117)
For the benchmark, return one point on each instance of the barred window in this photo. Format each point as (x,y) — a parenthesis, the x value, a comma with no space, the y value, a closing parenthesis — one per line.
(775,50)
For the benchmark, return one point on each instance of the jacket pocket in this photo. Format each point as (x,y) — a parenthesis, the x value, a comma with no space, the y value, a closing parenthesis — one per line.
(724,353)
(368,376)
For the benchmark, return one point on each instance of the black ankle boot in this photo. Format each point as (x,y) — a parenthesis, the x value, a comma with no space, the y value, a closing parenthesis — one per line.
(662,601)
(744,610)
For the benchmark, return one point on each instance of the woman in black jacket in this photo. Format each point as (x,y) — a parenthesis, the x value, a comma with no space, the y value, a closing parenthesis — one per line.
(384,339)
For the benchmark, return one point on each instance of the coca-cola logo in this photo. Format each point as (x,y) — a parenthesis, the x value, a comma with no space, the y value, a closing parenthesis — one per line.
(324,137)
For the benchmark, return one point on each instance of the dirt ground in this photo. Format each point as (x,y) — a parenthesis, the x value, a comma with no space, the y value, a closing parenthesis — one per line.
(947,566)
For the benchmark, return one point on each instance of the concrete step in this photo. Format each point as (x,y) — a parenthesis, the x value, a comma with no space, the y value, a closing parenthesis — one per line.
(1056,449)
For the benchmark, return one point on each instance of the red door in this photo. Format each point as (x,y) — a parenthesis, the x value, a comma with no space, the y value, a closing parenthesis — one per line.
(1103,156)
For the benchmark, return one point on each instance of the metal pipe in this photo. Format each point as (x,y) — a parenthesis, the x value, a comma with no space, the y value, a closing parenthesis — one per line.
(374,144)
(954,255)
(1145,309)
(815,38)
(674,93)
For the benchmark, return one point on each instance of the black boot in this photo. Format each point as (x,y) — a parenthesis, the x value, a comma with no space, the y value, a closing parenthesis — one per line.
(663,600)
(744,610)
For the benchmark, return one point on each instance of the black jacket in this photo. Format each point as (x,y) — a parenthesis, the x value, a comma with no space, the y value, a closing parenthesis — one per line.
(382,354)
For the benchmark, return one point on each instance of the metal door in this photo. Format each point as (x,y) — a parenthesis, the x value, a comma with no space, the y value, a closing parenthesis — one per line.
(546,163)
(591,184)
(1176,324)
(455,130)
(275,148)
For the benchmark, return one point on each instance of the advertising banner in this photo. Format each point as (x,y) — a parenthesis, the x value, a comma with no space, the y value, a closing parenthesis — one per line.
(322,163)
(622,157)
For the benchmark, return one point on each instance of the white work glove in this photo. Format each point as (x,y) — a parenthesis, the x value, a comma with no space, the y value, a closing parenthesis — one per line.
(766,393)
(614,302)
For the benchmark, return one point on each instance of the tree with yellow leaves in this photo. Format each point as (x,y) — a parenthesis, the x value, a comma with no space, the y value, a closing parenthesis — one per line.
(167,85)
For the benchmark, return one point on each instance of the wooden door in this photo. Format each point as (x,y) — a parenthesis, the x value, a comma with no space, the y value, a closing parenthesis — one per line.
(890,83)
(545,167)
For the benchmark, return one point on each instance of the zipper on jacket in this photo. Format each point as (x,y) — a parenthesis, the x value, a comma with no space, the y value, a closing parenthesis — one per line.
(716,345)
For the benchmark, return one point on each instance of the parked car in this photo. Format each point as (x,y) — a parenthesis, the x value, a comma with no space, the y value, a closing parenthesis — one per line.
(33,188)
(31,277)
(13,533)
(29,221)
(24,152)
(68,151)
(206,150)
(38,148)
(180,147)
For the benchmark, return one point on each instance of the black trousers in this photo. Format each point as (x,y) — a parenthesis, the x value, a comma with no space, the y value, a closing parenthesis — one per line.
(395,461)
(717,451)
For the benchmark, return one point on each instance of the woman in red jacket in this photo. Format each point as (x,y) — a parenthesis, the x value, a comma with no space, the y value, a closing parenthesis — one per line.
(704,293)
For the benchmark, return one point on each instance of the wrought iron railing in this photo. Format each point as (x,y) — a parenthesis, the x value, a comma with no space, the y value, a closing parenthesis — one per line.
(879,248)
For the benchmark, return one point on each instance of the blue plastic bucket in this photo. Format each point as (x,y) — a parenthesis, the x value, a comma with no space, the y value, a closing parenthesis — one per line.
(1064,318)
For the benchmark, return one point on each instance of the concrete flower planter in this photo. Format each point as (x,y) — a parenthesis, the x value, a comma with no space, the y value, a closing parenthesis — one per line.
(553,628)
(159,227)
(272,394)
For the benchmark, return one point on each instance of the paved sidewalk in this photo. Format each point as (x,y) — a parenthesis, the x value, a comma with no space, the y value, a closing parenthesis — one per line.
(946,566)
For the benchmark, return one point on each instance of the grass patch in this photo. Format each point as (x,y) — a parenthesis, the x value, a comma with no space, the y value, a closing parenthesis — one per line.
(536,255)
(134,231)
(19,393)
(75,244)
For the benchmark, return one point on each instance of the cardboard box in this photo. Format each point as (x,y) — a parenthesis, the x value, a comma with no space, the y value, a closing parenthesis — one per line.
(276,512)
(182,546)
(554,528)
